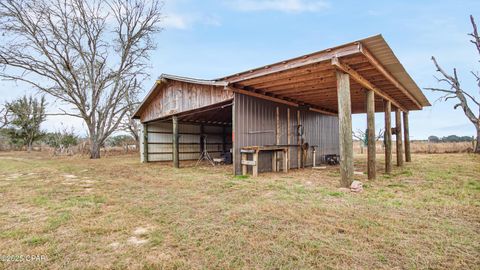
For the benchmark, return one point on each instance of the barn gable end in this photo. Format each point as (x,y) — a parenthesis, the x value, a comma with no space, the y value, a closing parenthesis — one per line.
(171,97)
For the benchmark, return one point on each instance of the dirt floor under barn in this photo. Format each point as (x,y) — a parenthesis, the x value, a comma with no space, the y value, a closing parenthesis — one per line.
(119,213)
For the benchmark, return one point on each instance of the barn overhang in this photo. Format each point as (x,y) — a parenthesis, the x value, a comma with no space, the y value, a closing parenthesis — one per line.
(310,80)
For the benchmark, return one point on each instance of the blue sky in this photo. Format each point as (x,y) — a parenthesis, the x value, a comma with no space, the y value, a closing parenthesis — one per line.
(210,39)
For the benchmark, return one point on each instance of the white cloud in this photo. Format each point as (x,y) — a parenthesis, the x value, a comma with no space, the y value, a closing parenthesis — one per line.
(186,21)
(176,21)
(293,6)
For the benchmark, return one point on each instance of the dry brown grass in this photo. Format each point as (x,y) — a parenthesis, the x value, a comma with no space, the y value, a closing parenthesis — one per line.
(117,213)
(423,147)
(438,148)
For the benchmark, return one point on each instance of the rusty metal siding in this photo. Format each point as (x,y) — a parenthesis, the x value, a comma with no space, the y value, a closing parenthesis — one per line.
(255,124)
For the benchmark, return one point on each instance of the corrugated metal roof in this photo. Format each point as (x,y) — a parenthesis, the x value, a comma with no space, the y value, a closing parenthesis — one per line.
(382,51)
(193,80)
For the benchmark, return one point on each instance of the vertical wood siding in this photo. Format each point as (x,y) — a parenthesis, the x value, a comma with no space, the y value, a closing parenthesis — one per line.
(174,97)
(255,124)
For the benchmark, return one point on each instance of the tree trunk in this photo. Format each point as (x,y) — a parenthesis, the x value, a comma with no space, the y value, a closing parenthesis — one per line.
(94,149)
(29,147)
(477,146)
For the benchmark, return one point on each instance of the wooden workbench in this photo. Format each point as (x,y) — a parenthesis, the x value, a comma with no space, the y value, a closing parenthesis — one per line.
(255,150)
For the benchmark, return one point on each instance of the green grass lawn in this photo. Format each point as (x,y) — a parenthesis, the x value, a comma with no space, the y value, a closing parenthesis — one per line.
(118,213)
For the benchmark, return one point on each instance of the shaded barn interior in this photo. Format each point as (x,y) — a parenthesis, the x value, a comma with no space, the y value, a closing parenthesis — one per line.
(218,140)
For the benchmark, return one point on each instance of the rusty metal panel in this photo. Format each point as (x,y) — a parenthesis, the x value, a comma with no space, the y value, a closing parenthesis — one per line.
(255,124)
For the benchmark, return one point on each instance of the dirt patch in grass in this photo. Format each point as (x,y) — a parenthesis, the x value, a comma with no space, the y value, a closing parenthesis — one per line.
(118,213)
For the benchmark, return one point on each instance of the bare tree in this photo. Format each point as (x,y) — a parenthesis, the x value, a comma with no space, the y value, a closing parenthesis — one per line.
(88,54)
(129,124)
(467,101)
(363,138)
(4,117)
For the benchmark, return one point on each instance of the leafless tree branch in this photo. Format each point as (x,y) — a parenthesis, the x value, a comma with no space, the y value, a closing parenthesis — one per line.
(457,92)
(4,117)
(90,54)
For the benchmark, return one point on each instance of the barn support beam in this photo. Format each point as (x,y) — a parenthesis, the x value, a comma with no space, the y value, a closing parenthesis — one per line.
(224,139)
(371,143)
(234,144)
(398,133)
(388,137)
(175,150)
(275,165)
(145,143)
(364,82)
(406,134)
(388,75)
(202,134)
(299,142)
(345,128)
(288,133)
(278,100)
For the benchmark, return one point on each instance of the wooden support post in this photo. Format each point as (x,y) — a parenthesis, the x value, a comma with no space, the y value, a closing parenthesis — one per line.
(345,128)
(145,143)
(314,157)
(388,137)
(371,134)
(175,150)
(274,161)
(299,148)
(244,166)
(202,145)
(288,133)
(275,165)
(234,144)
(398,133)
(285,161)
(406,133)
(255,167)
(278,137)
(224,139)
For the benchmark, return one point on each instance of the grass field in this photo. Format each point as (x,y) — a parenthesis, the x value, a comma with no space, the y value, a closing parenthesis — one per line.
(423,147)
(118,213)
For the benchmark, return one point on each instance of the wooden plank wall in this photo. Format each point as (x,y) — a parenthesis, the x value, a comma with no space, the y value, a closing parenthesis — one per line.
(255,124)
(174,97)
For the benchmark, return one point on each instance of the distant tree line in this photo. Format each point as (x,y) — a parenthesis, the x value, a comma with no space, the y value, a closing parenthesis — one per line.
(20,122)
(450,138)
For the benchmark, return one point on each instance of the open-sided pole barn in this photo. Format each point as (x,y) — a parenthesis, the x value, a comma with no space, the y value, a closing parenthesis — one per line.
(281,112)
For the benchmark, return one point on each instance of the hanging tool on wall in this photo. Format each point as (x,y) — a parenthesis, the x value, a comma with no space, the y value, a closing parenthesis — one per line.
(303,151)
